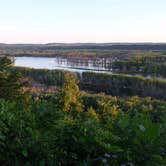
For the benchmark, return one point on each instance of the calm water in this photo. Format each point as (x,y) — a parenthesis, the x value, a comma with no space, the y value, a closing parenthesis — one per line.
(59,63)
(68,64)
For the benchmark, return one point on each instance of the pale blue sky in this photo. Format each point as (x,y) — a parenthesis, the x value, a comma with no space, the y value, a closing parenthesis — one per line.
(43,21)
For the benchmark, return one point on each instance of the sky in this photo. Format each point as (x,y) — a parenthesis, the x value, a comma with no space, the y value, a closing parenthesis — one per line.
(70,21)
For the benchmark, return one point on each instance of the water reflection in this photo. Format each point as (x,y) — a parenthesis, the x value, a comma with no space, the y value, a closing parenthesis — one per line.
(77,65)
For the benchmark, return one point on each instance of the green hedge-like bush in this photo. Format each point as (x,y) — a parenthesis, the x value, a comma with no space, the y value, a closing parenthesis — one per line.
(43,76)
(122,85)
(114,84)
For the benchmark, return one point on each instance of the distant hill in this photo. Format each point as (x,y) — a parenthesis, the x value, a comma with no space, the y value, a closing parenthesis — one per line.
(109,46)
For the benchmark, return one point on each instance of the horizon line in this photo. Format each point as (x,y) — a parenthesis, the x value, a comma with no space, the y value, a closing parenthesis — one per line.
(46,43)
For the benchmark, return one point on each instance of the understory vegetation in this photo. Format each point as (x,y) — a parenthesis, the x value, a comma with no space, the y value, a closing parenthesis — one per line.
(70,127)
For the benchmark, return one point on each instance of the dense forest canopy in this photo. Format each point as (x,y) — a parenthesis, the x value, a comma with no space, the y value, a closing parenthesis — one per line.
(72,127)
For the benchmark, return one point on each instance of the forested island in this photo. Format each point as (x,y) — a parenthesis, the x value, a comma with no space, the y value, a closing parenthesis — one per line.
(57,117)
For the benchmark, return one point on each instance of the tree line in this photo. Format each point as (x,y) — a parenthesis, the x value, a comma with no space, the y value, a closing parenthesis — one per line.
(113,84)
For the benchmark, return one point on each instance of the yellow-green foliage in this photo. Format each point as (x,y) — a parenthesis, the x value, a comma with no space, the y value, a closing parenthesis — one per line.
(69,94)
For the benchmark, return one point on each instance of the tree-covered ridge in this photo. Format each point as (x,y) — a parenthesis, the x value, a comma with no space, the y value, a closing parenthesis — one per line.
(79,129)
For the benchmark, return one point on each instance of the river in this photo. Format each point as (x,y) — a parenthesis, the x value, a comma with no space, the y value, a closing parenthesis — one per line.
(61,63)
(73,65)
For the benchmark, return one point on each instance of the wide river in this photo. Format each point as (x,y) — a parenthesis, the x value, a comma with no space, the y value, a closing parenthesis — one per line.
(59,63)
(68,64)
